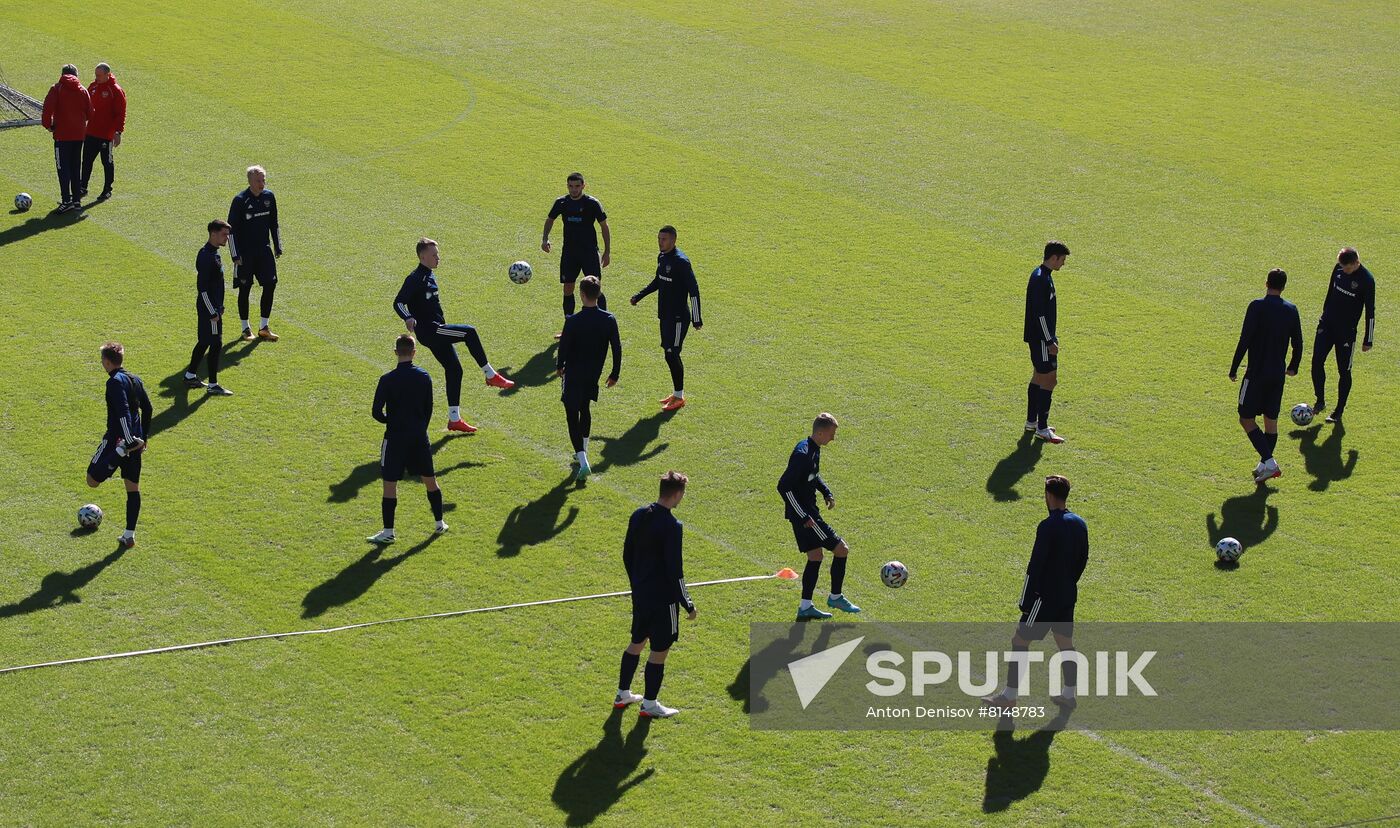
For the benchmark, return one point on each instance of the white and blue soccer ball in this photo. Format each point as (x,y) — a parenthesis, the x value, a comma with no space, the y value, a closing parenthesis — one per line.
(894,574)
(1302,414)
(520,272)
(90,516)
(1228,550)
(23,202)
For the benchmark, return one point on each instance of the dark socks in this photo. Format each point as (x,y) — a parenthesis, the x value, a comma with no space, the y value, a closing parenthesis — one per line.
(651,677)
(1043,421)
(838,574)
(628,670)
(570,303)
(387,506)
(809,578)
(1032,402)
(214,364)
(1256,439)
(265,301)
(1271,443)
(673,361)
(133,510)
(1012,676)
(435,500)
(1069,672)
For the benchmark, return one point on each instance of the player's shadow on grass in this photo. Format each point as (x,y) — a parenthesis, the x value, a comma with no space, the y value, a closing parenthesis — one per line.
(1019,766)
(595,781)
(1248,519)
(59,588)
(356,579)
(37,225)
(538,520)
(539,370)
(1324,460)
(635,444)
(368,472)
(185,401)
(1001,483)
(747,686)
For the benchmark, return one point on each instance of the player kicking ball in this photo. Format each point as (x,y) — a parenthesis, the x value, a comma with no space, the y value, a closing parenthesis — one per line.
(128,414)
(417,303)
(799,486)
(1270,324)
(403,402)
(651,552)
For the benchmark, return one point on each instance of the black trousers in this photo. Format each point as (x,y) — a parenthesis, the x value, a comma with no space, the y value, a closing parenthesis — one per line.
(68,160)
(94,148)
(442,341)
(1323,343)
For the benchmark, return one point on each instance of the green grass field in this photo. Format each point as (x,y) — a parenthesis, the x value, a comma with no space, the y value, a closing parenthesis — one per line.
(863,188)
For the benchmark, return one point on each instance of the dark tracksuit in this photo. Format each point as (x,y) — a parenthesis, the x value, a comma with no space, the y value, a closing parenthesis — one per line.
(418,300)
(254,220)
(1038,332)
(798,487)
(1347,298)
(580,252)
(677,307)
(1051,588)
(1270,325)
(209,307)
(403,402)
(652,554)
(128,416)
(583,348)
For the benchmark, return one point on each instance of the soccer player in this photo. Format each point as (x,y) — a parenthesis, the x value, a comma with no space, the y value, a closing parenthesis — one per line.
(421,310)
(677,306)
(403,402)
(1039,334)
(128,414)
(67,108)
(209,307)
(652,554)
(1270,324)
(1351,291)
(1049,592)
(799,486)
(104,128)
(253,215)
(582,348)
(580,253)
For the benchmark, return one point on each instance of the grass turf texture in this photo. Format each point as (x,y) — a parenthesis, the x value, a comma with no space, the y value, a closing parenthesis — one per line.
(863,191)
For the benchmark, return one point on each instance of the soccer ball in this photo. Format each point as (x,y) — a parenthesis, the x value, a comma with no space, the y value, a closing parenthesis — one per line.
(23,202)
(894,574)
(90,516)
(520,272)
(1302,414)
(1228,550)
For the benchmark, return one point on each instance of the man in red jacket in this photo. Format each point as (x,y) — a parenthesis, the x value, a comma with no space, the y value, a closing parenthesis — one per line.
(104,127)
(66,111)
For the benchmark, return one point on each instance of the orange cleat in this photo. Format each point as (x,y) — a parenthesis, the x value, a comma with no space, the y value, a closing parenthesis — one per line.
(268,335)
(462,426)
(666,399)
(498,381)
(673,404)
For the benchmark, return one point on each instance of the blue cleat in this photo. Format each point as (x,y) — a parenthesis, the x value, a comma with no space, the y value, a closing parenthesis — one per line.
(843,603)
(812,614)
(583,471)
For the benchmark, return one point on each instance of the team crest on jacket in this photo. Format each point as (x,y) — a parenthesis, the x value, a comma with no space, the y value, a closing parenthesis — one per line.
(1355,285)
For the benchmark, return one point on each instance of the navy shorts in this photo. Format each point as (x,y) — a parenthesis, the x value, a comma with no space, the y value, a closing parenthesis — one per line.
(397,458)
(105,463)
(1260,396)
(571,264)
(809,538)
(260,264)
(1041,358)
(210,330)
(1042,620)
(660,624)
(673,333)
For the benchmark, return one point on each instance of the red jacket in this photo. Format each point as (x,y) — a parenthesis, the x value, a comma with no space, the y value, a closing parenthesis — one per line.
(108,109)
(66,109)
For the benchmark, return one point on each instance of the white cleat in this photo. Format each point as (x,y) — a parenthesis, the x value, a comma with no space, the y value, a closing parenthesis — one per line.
(656,710)
(441,527)
(1048,435)
(383,536)
(624,698)
(1268,471)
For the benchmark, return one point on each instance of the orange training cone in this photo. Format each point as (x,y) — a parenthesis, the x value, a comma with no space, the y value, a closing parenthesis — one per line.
(786,574)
